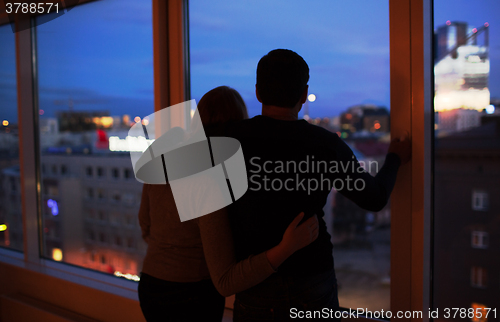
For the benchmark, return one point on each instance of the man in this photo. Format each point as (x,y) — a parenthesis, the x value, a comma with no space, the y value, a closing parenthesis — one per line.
(292,166)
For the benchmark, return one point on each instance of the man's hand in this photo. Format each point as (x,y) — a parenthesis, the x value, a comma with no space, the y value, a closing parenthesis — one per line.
(402,147)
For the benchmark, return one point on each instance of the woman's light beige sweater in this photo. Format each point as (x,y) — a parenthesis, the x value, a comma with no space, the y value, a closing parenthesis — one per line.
(194,250)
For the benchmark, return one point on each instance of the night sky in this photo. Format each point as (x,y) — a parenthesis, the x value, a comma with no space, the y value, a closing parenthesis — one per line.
(100,54)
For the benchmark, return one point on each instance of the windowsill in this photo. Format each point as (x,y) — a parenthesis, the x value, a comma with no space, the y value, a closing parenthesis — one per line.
(78,275)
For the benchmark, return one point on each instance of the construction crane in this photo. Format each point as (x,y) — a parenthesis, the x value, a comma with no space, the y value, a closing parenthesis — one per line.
(475,32)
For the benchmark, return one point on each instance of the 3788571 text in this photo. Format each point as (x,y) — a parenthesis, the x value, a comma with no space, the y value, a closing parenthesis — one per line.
(24,7)
(478,313)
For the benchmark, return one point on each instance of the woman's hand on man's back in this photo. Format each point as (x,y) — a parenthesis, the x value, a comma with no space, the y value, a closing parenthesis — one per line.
(295,237)
(299,236)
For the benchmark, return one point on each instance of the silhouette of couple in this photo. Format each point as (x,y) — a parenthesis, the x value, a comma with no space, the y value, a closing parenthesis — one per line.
(271,247)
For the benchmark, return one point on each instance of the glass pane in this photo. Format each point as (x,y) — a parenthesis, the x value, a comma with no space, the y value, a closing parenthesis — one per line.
(466,159)
(95,68)
(11,225)
(346,45)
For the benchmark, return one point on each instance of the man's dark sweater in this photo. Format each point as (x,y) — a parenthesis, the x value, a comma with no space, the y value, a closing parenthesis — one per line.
(291,167)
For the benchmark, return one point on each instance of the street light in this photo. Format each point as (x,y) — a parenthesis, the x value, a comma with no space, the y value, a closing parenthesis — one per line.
(3,227)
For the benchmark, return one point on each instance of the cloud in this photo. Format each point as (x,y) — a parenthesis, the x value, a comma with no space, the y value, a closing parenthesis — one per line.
(121,11)
(76,92)
(8,86)
(363,48)
(115,105)
(238,67)
(210,55)
(147,91)
(208,22)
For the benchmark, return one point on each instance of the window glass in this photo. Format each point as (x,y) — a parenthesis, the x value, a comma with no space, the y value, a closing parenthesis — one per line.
(480,239)
(466,267)
(346,45)
(95,67)
(11,226)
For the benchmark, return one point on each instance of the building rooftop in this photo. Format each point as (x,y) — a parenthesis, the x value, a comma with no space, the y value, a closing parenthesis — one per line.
(484,137)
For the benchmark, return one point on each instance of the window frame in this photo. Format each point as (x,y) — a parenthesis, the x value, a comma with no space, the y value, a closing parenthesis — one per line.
(482,197)
(483,239)
(412,91)
(411,72)
(478,277)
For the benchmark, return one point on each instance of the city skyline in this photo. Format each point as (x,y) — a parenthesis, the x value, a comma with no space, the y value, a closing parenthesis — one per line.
(357,74)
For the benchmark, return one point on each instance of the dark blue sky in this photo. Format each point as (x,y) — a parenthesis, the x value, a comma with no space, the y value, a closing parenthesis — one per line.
(100,54)
(345,43)
(8,100)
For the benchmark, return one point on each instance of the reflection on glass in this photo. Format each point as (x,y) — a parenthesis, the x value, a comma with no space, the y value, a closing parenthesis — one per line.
(11,225)
(466,159)
(95,76)
(346,45)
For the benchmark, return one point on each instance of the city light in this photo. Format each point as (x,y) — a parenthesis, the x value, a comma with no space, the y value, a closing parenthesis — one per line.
(129,144)
(5,123)
(52,204)
(137,119)
(481,309)
(41,112)
(473,59)
(104,121)
(127,276)
(490,109)
(311,97)
(3,227)
(145,121)
(457,80)
(448,23)
(57,254)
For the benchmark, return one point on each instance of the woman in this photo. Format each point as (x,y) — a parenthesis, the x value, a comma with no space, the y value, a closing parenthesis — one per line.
(189,263)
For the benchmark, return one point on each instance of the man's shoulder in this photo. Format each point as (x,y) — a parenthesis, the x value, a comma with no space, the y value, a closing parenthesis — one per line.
(321,132)
(300,130)
(314,135)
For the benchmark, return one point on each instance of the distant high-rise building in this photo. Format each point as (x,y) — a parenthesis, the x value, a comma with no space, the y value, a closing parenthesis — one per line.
(89,201)
(448,36)
(461,67)
(90,204)
(10,208)
(466,218)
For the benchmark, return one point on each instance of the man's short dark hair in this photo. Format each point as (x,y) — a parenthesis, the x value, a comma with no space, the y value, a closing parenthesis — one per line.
(282,77)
